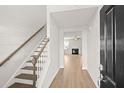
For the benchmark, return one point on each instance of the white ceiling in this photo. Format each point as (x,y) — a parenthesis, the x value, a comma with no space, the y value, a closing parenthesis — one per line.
(72,34)
(74,18)
(60,8)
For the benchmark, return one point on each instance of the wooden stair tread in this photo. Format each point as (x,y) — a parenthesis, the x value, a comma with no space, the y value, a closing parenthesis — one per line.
(29,61)
(40,47)
(29,68)
(36,51)
(21,85)
(34,56)
(43,41)
(25,76)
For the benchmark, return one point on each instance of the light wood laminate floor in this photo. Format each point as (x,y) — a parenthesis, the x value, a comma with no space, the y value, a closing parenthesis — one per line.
(72,76)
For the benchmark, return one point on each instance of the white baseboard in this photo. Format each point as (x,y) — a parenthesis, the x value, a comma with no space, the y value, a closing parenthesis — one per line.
(51,80)
(93,79)
(84,68)
(61,67)
(10,82)
(53,77)
(12,78)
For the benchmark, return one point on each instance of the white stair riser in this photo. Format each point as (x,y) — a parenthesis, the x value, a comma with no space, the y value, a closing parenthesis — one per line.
(27,71)
(30,64)
(25,81)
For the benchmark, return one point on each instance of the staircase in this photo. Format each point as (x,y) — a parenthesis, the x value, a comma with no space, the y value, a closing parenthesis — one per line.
(31,73)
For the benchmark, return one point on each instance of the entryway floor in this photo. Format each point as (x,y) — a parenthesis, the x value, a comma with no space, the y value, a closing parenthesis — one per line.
(72,76)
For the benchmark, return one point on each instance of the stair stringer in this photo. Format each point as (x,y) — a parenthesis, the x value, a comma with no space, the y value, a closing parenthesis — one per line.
(18,71)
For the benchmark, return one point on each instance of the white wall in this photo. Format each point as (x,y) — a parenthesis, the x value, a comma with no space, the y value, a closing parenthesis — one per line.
(53,34)
(8,69)
(93,45)
(73,44)
(17,24)
(84,49)
(61,48)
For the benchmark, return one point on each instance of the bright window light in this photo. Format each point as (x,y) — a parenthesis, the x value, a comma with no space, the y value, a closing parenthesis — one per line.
(66,44)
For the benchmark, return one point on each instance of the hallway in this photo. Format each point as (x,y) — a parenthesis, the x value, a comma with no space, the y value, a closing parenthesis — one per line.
(72,76)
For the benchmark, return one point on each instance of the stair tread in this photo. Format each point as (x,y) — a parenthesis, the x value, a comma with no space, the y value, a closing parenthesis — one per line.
(25,76)
(29,61)
(36,51)
(29,68)
(21,85)
(39,47)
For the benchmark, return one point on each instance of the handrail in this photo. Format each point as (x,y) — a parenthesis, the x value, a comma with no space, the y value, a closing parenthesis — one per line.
(13,53)
(35,58)
(40,51)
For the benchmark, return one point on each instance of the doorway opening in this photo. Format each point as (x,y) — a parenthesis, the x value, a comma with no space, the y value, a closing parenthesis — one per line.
(72,50)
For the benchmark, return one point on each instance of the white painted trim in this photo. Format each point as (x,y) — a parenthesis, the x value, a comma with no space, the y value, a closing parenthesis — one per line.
(73,29)
(61,67)
(84,68)
(53,77)
(49,82)
(93,79)
(41,80)
(12,79)
(25,81)
(10,82)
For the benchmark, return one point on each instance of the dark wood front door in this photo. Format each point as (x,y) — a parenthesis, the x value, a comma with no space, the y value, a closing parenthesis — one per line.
(112,46)
(107,52)
(119,45)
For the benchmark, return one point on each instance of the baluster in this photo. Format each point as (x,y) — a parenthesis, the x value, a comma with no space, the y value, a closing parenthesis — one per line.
(40,64)
(41,61)
(34,73)
(37,69)
(45,55)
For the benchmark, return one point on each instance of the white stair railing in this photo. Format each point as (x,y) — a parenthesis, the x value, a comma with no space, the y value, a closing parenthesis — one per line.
(39,61)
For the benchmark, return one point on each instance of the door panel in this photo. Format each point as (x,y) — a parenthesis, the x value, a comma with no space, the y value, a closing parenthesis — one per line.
(119,17)
(107,53)
(109,44)
(107,83)
(112,46)
(102,44)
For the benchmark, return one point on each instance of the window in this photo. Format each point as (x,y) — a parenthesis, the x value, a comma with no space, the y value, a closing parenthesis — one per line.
(66,44)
